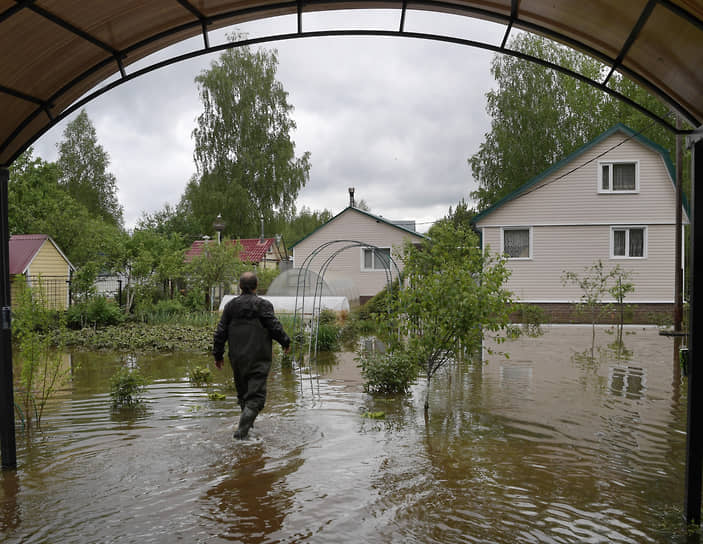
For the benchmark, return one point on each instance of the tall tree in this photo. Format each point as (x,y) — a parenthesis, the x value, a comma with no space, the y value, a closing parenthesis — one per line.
(39,205)
(539,116)
(245,158)
(83,166)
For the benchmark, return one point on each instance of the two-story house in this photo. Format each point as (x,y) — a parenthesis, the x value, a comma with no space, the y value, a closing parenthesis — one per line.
(612,200)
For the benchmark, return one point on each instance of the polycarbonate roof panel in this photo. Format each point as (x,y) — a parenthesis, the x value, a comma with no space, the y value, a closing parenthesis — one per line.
(53,52)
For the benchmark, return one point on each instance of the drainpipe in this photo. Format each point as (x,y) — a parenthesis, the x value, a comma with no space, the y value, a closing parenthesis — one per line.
(7,401)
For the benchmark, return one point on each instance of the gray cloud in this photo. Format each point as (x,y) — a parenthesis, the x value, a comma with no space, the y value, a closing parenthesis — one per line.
(396,118)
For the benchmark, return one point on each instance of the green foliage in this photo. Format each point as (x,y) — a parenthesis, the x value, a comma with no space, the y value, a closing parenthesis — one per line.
(620,288)
(391,372)
(265,276)
(127,387)
(96,312)
(555,113)
(199,376)
(42,369)
(327,317)
(595,282)
(245,158)
(294,229)
(38,204)
(137,337)
(453,295)
(83,167)
(328,337)
(218,264)
(532,319)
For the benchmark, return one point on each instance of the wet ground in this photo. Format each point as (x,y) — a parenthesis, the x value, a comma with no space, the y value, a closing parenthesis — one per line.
(563,442)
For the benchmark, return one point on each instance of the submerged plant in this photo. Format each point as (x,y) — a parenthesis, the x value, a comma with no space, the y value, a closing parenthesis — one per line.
(200,375)
(127,387)
(42,366)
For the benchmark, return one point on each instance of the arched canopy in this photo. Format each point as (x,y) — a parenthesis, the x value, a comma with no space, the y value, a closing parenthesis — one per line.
(54,54)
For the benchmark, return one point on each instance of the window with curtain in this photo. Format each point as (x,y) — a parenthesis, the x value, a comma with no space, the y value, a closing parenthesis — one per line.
(377,258)
(618,177)
(516,243)
(629,242)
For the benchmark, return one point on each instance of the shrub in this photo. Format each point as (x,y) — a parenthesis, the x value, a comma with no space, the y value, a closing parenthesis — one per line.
(391,372)
(532,319)
(200,375)
(96,312)
(327,337)
(127,387)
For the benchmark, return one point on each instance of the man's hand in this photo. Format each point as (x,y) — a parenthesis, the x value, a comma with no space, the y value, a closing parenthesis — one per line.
(287,350)
(219,363)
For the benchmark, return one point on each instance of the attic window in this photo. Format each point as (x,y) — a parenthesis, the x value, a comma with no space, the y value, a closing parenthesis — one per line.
(618,177)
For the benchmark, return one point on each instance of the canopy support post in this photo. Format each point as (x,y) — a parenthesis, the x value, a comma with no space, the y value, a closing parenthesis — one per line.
(694,434)
(7,403)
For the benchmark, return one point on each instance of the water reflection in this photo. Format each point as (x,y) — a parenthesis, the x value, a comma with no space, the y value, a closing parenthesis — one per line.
(566,441)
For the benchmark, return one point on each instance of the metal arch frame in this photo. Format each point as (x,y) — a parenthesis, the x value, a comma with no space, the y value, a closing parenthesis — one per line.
(303,273)
(298,6)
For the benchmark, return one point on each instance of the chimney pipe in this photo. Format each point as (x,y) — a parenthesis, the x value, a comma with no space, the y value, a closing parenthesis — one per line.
(351,197)
(261,239)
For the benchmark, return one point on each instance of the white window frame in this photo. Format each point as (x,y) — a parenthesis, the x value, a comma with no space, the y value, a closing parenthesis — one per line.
(627,229)
(363,261)
(610,190)
(502,243)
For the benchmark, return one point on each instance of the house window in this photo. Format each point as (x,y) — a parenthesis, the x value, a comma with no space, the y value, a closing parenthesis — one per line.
(517,243)
(629,242)
(618,177)
(376,258)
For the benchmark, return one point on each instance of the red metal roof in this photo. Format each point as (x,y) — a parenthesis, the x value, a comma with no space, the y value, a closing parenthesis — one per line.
(23,248)
(253,249)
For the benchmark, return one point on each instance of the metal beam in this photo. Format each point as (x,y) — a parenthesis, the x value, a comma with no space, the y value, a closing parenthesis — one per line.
(634,33)
(694,430)
(7,402)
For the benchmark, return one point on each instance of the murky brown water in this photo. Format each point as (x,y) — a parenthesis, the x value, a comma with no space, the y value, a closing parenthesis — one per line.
(551,445)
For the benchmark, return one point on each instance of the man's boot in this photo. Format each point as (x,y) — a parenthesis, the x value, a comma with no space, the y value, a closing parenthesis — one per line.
(246,420)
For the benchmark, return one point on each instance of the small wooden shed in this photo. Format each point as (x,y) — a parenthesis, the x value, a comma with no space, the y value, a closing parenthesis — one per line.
(40,261)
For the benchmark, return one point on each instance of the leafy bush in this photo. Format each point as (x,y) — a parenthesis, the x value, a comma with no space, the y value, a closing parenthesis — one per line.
(200,375)
(328,337)
(328,317)
(96,312)
(391,372)
(127,387)
(532,319)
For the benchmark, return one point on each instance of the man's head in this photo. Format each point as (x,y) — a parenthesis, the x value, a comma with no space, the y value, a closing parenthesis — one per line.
(248,282)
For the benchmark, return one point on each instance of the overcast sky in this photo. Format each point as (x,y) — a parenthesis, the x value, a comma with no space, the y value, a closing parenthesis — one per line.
(396,118)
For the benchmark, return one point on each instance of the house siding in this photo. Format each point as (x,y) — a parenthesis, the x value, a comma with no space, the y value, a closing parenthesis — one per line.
(556,249)
(570,222)
(574,199)
(55,272)
(352,225)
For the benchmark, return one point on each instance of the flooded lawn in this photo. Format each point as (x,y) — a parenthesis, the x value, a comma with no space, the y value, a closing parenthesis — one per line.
(559,443)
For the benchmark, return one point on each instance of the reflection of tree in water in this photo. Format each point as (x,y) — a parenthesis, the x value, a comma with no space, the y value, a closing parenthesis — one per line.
(251,502)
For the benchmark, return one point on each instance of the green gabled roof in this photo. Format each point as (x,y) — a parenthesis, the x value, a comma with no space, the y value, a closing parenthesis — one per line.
(580,151)
(372,216)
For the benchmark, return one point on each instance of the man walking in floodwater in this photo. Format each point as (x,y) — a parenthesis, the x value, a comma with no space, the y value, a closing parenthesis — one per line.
(248,324)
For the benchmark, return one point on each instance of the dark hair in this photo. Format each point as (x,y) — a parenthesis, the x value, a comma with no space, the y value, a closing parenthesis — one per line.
(248,282)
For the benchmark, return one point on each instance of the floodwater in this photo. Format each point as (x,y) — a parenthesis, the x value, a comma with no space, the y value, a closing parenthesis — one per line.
(562,442)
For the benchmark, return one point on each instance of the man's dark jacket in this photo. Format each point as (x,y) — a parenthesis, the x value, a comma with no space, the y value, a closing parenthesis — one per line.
(248,324)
